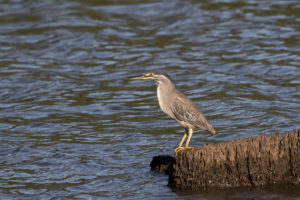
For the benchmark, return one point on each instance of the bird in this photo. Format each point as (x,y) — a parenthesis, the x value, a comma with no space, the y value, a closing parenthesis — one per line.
(177,106)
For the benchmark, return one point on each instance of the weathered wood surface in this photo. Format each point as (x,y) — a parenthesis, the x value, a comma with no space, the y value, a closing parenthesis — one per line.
(250,162)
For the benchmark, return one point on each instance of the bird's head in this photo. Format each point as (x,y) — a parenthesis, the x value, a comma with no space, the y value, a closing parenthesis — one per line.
(156,75)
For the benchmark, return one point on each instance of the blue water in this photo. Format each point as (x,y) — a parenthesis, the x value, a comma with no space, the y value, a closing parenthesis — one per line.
(73,127)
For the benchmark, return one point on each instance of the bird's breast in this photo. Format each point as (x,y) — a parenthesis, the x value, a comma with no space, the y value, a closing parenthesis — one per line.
(160,98)
(164,101)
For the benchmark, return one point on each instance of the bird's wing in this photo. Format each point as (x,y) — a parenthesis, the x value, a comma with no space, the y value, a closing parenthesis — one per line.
(185,110)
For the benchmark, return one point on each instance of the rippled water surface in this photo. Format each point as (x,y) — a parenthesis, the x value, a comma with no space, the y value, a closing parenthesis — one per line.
(73,127)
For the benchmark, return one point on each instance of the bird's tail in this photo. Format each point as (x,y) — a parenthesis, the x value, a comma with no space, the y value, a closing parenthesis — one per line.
(204,124)
(211,129)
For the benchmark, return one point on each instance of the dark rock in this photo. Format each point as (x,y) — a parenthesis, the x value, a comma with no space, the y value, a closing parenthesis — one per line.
(162,164)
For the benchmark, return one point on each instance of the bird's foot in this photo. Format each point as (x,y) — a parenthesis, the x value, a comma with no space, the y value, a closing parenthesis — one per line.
(178,149)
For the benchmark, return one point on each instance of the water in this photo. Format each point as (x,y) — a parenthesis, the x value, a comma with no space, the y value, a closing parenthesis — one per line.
(73,127)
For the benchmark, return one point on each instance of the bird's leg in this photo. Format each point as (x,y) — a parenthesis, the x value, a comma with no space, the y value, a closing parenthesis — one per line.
(182,140)
(180,148)
(189,138)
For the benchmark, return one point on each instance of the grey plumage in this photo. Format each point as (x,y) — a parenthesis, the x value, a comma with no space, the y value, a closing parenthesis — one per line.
(176,105)
(179,107)
(189,114)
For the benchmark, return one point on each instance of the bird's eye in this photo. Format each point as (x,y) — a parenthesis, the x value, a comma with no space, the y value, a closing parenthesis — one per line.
(149,74)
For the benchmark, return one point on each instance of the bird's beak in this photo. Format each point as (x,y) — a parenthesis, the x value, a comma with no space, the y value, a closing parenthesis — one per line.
(139,77)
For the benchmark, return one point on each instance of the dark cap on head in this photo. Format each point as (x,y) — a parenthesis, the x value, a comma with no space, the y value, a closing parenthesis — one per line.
(161,72)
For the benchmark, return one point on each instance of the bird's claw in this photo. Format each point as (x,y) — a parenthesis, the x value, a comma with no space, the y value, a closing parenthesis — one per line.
(178,149)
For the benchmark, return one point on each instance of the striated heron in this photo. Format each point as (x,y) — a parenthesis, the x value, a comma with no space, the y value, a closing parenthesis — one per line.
(177,106)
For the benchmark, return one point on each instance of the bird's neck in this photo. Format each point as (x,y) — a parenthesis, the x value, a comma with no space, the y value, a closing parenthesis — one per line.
(165,88)
(164,94)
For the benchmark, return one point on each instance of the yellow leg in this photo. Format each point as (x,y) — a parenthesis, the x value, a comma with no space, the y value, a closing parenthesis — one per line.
(180,148)
(189,138)
(182,140)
